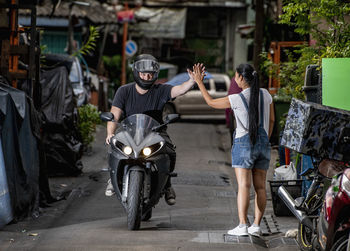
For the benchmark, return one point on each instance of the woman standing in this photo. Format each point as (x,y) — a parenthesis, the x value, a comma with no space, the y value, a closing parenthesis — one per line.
(254,114)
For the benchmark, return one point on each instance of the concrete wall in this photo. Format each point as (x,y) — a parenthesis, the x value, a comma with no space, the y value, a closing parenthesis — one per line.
(240,45)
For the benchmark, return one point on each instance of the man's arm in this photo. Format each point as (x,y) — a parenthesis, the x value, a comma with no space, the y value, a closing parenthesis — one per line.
(181,89)
(112,126)
(185,86)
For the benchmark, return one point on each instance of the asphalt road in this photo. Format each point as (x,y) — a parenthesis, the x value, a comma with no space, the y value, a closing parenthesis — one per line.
(205,208)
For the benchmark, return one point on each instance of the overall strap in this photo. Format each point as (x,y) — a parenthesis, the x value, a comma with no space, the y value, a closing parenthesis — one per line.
(244,101)
(261,108)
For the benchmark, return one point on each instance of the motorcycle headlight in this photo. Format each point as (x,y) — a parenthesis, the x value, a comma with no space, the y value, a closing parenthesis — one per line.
(127,150)
(149,150)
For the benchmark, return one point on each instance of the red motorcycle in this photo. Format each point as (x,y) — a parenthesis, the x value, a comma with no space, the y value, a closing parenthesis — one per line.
(314,229)
(334,220)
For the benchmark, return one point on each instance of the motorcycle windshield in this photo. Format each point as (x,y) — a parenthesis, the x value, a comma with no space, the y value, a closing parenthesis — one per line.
(138,126)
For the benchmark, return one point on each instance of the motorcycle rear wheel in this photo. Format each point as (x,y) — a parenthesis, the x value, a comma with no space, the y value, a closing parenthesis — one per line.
(134,203)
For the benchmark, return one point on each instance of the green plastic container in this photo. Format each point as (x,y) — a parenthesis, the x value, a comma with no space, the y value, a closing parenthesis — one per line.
(336,82)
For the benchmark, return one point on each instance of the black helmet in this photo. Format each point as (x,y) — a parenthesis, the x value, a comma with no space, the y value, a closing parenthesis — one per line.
(145,63)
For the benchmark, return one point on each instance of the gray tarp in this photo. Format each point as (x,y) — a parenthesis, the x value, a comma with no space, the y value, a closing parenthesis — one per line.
(160,23)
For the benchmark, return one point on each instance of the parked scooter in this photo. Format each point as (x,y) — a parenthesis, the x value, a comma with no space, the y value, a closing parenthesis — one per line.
(139,164)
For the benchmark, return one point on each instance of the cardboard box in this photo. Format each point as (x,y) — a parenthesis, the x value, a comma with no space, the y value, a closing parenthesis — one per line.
(317,130)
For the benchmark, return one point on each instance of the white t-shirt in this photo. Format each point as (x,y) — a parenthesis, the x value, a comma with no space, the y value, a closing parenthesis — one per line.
(241,113)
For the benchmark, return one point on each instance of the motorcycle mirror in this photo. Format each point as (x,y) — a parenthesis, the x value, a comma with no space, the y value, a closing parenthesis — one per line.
(171,118)
(107,116)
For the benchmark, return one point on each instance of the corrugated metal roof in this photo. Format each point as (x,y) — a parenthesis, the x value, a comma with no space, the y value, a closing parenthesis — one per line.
(96,12)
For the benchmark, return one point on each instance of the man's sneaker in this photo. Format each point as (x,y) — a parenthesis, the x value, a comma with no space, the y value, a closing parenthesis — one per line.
(170,196)
(254,230)
(109,189)
(238,231)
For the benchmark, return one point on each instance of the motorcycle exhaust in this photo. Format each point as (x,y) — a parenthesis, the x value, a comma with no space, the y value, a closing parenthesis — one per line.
(290,202)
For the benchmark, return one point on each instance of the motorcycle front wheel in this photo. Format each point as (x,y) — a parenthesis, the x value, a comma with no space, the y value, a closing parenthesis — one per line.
(134,201)
(305,234)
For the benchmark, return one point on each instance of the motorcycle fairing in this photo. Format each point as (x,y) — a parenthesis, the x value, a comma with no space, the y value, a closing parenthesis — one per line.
(136,131)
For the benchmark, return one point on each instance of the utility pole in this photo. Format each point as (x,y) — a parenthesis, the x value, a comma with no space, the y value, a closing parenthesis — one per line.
(70,30)
(125,35)
(259,32)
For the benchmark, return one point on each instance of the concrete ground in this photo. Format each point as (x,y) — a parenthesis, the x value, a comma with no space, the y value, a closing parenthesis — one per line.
(205,209)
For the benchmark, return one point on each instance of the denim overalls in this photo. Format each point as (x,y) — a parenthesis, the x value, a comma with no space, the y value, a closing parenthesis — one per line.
(246,155)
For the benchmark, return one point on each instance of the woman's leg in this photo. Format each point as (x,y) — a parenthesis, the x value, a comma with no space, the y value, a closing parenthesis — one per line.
(244,182)
(259,182)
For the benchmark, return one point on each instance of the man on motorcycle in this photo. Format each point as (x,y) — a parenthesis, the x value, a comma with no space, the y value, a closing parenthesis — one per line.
(143,96)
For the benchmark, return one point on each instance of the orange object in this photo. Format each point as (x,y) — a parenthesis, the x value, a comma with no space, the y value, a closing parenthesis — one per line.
(287,155)
(275,55)
(94,98)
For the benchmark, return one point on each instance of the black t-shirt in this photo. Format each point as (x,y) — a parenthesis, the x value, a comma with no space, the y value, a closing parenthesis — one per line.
(151,103)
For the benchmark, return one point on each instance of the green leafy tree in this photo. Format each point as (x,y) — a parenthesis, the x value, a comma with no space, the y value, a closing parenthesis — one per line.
(325,21)
(90,44)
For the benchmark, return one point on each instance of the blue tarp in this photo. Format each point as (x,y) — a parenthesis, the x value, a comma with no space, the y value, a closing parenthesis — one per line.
(5,202)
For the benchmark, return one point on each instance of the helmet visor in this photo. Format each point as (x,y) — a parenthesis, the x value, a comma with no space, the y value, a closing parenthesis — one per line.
(146,65)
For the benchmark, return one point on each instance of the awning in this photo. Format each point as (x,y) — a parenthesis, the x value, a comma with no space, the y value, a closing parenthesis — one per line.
(160,23)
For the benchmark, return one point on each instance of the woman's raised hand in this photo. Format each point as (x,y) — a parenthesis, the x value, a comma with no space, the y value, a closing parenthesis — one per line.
(191,73)
(198,73)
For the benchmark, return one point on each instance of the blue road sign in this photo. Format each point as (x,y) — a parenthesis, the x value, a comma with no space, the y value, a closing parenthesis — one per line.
(130,48)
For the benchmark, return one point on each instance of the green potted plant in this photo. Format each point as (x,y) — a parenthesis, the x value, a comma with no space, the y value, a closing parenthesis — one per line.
(89,117)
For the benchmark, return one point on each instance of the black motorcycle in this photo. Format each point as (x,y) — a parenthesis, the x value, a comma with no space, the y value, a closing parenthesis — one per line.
(139,164)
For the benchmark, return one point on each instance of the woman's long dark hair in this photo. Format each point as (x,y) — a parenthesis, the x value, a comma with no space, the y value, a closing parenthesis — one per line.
(252,78)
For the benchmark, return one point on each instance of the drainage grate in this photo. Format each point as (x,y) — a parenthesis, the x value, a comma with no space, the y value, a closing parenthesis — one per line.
(268,224)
